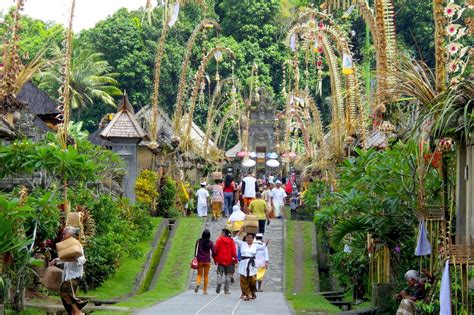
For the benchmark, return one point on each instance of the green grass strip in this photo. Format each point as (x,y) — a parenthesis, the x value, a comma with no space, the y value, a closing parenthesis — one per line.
(122,281)
(174,276)
(307,300)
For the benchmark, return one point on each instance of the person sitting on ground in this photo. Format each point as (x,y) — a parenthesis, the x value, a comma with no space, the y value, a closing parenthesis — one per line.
(225,256)
(72,274)
(413,293)
(261,261)
(259,208)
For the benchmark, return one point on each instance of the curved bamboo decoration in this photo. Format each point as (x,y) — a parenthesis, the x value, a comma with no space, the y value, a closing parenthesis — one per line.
(220,127)
(197,82)
(65,89)
(156,86)
(184,68)
(11,60)
(381,22)
(440,56)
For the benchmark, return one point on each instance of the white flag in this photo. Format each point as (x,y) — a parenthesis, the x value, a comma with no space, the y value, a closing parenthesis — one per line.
(174,14)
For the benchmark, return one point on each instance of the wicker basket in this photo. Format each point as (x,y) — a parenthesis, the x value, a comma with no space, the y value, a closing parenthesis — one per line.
(74,219)
(69,249)
(251,229)
(250,223)
(52,279)
(216,175)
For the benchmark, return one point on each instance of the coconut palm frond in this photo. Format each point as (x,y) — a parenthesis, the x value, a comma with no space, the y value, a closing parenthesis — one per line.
(348,226)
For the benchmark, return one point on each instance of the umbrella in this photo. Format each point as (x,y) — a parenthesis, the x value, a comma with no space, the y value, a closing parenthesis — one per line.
(272,155)
(423,246)
(241,154)
(273,163)
(249,163)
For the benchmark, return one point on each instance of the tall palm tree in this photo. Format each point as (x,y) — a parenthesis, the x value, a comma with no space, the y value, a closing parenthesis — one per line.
(91,79)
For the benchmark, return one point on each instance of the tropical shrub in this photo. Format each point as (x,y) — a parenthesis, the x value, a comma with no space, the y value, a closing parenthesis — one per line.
(146,188)
(376,193)
(119,226)
(167,198)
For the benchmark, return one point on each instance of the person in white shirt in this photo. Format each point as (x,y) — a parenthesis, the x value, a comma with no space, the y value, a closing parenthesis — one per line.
(202,198)
(278,198)
(72,273)
(247,267)
(261,261)
(249,189)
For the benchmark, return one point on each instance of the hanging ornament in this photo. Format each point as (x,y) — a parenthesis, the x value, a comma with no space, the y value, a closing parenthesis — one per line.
(218,56)
(423,246)
(347,65)
(316,46)
(293,42)
(174,14)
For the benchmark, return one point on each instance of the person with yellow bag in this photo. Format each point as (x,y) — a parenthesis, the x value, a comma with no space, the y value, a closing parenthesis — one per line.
(261,261)
(236,219)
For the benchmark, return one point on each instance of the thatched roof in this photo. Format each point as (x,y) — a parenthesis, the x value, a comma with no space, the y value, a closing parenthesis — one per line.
(124,124)
(37,101)
(232,152)
(96,139)
(165,126)
(6,130)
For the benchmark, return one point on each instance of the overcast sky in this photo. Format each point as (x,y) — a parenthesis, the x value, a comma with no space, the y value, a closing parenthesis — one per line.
(87,12)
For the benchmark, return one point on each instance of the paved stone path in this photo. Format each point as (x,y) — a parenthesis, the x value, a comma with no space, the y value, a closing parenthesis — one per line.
(271,301)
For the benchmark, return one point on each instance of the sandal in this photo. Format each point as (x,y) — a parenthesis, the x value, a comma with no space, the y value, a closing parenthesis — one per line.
(246,299)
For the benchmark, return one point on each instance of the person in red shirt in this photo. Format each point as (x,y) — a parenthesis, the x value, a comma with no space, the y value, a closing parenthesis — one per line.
(225,256)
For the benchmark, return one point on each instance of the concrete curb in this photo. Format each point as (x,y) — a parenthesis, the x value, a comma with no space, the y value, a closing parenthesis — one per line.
(283,251)
(314,254)
(164,256)
(146,268)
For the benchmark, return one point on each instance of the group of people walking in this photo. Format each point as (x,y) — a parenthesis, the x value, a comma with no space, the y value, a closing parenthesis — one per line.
(249,254)
(224,194)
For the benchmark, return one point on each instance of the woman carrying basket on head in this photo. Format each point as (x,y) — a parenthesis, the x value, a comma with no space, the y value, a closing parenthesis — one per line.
(247,268)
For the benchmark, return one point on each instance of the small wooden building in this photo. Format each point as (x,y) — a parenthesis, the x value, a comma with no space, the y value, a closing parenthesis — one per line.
(124,134)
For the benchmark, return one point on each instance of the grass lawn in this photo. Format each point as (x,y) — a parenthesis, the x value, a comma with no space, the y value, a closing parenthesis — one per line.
(174,276)
(307,300)
(123,279)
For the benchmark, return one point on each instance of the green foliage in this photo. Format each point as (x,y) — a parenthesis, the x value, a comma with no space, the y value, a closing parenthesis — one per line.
(119,227)
(26,157)
(13,216)
(47,215)
(174,276)
(146,187)
(167,200)
(121,283)
(91,79)
(306,300)
(376,194)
